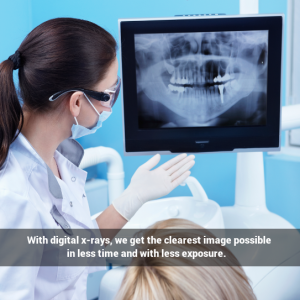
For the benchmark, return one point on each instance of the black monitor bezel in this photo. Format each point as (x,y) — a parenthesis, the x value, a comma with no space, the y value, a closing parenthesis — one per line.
(201,139)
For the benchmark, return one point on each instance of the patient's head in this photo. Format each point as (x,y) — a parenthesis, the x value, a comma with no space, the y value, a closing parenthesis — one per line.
(152,279)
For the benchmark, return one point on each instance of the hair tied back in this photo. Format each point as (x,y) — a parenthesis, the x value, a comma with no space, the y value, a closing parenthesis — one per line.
(16,59)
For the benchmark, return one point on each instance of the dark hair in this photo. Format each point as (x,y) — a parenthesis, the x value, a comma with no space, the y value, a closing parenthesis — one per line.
(59,54)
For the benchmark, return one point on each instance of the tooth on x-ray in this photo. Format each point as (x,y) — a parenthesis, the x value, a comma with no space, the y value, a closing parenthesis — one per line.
(221,88)
(202,79)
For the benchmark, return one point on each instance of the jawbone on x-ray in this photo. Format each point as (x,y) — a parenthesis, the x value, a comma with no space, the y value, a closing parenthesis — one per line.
(202,79)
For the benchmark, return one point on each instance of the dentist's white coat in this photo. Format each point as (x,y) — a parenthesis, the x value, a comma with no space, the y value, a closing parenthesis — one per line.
(28,191)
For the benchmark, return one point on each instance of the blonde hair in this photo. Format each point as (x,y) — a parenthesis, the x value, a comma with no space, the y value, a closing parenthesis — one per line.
(148,281)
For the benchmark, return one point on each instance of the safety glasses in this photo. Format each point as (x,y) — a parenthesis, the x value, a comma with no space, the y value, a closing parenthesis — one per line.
(107,97)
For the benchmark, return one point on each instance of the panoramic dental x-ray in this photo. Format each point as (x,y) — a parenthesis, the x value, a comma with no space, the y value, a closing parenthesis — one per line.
(201,79)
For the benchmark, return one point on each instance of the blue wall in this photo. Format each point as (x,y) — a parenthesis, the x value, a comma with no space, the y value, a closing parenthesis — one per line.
(282,186)
(15,24)
(216,172)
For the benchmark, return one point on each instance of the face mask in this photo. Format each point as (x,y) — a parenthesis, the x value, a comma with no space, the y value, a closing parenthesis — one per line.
(79,131)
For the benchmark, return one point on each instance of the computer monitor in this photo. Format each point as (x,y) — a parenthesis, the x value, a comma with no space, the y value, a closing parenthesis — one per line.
(201,84)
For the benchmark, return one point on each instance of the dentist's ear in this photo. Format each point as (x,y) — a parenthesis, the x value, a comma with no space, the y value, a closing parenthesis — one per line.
(75,103)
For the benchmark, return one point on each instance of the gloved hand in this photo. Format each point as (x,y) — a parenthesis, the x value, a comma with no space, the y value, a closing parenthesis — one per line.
(147,184)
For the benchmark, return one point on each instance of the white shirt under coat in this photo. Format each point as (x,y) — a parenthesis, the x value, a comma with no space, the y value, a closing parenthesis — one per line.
(28,191)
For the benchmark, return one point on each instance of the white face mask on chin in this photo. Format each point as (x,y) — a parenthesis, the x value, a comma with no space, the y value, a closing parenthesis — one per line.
(80,131)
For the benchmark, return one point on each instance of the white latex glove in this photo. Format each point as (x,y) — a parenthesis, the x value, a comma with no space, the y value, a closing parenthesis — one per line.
(147,184)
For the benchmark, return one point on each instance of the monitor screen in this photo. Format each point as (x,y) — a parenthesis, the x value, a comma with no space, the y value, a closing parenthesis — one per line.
(201,84)
(197,79)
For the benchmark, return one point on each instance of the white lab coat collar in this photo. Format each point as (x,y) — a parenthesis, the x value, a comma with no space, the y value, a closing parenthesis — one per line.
(69,148)
(22,144)
(72,187)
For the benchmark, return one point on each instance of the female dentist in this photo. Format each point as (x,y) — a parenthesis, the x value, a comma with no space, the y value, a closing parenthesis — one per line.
(68,85)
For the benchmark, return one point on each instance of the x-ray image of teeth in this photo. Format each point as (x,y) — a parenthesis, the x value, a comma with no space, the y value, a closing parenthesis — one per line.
(202,79)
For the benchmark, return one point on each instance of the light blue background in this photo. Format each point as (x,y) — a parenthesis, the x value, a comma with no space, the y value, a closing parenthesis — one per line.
(216,172)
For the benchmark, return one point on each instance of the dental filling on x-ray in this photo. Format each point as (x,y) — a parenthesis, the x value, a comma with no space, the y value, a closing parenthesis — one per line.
(201,79)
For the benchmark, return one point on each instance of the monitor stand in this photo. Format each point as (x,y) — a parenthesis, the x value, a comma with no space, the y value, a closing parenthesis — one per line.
(250,210)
